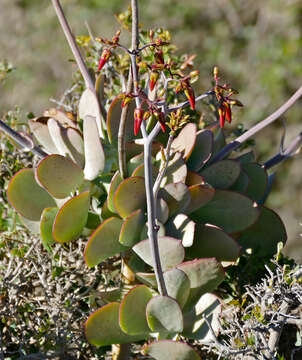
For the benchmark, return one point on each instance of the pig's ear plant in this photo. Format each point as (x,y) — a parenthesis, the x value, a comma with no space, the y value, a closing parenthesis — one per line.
(135,173)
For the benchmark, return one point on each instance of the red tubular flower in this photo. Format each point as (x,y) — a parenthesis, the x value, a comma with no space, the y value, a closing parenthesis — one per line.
(189,92)
(161,119)
(222,114)
(153,79)
(228,112)
(104,58)
(138,118)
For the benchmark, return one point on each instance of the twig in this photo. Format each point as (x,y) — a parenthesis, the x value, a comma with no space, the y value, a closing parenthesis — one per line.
(267,121)
(163,169)
(22,141)
(287,153)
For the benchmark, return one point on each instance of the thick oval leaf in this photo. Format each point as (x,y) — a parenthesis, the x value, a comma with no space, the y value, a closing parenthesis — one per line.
(185,141)
(71,218)
(193,178)
(59,175)
(102,327)
(129,196)
(132,316)
(229,210)
(46,224)
(26,196)
(93,148)
(177,196)
(181,227)
(209,305)
(178,285)
(63,118)
(219,142)
(200,194)
(222,174)
(241,183)
(247,157)
(75,144)
(210,241)
(132,228)
(264,235)
(115,181)
(171,252)
(89,106)
(202,150)
(134,162)
(258,180)
(162,211)
(168,349)
(114,118)
(176,170)
(148,279)
(58,136)
(40,130)
(104,243)
(164,314)
(204,275)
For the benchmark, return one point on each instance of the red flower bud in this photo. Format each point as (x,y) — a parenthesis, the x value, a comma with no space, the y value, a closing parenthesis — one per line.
(221,112)
(138,118)
(153,79)
(189,92)
(126,101)
(159,57)
(104,58)
(228,112)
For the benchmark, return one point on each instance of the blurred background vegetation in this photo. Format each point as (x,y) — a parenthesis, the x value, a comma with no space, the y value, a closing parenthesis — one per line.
(256,44)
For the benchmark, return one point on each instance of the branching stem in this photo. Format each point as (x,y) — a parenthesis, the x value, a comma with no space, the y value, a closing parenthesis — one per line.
(267,121)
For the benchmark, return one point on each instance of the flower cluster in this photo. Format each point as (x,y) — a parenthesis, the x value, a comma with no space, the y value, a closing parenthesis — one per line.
(223,95)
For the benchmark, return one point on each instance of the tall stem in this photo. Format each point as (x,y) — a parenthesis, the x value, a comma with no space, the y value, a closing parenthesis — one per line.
(152,226)
(73,45)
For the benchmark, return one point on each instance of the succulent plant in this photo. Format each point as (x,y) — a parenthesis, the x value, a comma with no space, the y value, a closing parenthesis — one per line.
(173,219)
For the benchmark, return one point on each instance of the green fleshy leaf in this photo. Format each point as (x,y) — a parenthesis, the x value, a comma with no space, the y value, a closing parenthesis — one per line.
(200,194)
(130,196)
(193,178)
(181,227)
(209,305)
(231,211)
(258,180)
(40,130)
(241,183)
(71,218)
(219,142)
(60,116)
(132,316)
(115,181)
(173,350)
(178,285)
(176,170)
(104,243)
(177,196)
(148,279)
(94,152)
(102,327)
(59,175)
(185,141)
(26,196)
(264,236)
(222,174)
(114,118)
(171,252)
(202,150)
(132,228)
(247,157)
(210,241)
(134,162)
(164,314)
(46,225)
(204,274)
